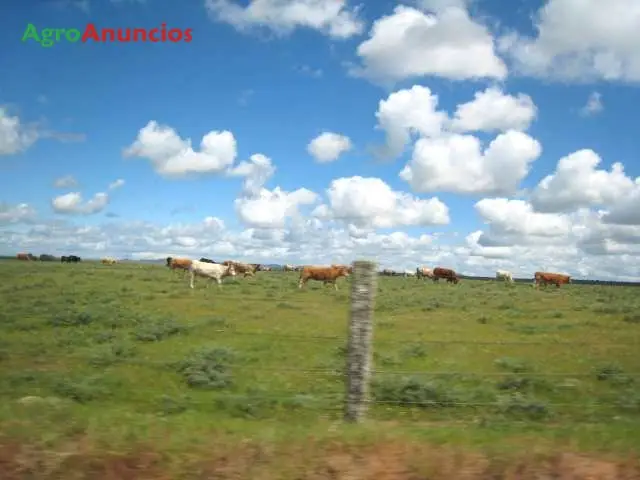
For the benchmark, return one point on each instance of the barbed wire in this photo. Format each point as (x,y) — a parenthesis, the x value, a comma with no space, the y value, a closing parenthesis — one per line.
(305,337)
(440,405)
(337,371)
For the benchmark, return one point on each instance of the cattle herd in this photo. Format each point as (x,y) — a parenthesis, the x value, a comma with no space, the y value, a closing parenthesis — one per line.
(207,268)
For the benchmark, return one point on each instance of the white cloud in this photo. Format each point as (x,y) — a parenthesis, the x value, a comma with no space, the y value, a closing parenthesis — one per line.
(15,137)
(410,43)
(68,181)
(626,210)
(493,110)
(405,113)
(12,214)
(117,184)
(256,172)
(578,183)
(517,218)
(328,146)
(272,208)
(515,238)
(72,203)
(332,18)
(593,106)
(455,163)
(370,203)
(582,41)
(172,156)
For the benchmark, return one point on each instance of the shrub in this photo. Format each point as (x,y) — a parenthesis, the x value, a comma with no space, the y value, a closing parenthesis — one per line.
(207,368)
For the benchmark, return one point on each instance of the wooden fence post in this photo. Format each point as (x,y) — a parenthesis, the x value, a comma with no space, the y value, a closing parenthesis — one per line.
(359,352)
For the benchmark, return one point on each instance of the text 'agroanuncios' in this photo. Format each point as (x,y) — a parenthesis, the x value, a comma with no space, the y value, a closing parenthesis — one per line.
(47,37)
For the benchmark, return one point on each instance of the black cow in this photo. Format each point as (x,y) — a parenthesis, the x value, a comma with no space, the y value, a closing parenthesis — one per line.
(70,259)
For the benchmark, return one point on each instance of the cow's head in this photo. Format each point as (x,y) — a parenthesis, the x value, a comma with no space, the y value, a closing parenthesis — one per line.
(231,270)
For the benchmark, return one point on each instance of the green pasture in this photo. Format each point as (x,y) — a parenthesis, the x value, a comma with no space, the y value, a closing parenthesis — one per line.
(128,352)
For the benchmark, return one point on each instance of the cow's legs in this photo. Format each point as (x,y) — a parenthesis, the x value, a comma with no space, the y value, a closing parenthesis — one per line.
(192,274)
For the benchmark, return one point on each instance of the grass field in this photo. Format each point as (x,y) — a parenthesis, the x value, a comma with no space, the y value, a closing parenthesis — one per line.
(139,377)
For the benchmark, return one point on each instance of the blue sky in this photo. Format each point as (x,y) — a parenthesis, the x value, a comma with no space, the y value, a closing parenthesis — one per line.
(276,75)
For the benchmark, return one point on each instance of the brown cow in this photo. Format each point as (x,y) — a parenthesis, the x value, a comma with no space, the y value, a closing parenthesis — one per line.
(449,275)
(179,264)
(25,256)
(544,278)
(323,274)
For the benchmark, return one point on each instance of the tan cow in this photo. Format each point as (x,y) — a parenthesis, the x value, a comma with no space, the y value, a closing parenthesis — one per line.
(323,274)
(108,261)
(544,278)
(246,269)
(424,272)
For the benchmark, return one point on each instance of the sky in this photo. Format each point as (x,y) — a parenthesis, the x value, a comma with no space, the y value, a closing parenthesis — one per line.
(455,133)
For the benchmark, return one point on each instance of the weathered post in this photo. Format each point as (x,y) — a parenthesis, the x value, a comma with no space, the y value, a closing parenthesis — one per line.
(359,351)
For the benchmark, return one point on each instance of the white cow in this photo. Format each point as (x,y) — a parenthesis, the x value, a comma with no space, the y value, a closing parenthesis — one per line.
(504,275)
(213,271)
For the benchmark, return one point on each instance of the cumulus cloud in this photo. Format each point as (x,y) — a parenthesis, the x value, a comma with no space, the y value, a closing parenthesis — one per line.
(333,18)
(456,163)
(12,214)
(519,240)
(593,106)
(517,218)
(272,208)
(578,183)
(256,172)
(580,41)
(410,43)
(72,203)
(407,113)
(172,156)
(370,203)
(15,137)
(626,211)
(68,181)
(328,146)
(493,110)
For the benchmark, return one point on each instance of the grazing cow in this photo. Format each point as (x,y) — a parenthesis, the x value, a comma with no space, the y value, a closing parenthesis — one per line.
(213,271)
(45,257)
(289,268)
(70,259)
(179,264)
(108,261)
(504,275)
(424,272)
(247,269)
(449,275)
(544,278)
(323,274)
(207,260)
(25,256)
